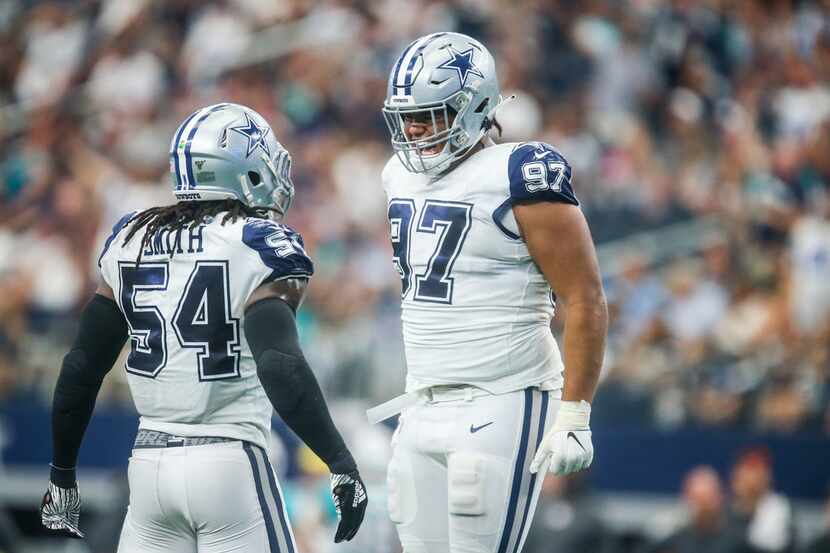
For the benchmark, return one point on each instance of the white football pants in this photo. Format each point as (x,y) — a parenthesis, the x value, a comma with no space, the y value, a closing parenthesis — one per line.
(458,478)
(214,498)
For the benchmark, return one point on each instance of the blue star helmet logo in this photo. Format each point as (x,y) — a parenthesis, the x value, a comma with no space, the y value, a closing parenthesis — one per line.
(462,63)
(255,135)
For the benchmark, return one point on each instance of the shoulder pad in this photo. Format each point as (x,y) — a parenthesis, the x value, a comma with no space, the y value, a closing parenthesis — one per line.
(122,222)
(538,172)
(279,247)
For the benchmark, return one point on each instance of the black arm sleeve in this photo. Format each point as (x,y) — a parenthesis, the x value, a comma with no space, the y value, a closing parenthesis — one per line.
(101,335)
(291,386)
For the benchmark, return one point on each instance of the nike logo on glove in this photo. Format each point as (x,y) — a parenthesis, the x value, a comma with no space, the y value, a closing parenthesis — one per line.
(572,435)
(474,429)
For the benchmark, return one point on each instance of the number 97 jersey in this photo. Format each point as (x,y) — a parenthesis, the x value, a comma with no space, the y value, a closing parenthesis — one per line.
(190,370)
(476,309)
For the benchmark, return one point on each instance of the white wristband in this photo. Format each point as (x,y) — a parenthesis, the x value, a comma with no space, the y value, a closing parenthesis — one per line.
(573,415)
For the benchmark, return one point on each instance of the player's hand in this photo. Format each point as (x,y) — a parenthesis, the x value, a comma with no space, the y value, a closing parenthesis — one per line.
(567,446)
(61,509)
(350,500)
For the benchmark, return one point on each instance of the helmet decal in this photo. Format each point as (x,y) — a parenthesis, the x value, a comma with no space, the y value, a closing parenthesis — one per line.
(255,135)
(463,63)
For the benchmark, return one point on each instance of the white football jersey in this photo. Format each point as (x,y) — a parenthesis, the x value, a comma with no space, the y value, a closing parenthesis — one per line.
(190,370)
(475,307)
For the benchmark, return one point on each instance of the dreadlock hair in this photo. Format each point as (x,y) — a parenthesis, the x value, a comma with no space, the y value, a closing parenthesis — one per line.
(187,215)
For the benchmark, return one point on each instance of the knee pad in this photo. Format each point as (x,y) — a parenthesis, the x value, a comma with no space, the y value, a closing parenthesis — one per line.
(466,475)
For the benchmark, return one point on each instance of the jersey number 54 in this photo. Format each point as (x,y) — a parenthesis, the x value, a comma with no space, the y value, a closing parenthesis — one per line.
(202,320)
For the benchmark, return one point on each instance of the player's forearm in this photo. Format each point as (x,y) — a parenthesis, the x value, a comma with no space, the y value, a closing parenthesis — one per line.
(290,384)
(101,335)
(301,405)
(72,406)
(586,326)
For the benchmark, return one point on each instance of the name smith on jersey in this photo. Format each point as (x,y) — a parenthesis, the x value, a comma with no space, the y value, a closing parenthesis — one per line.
(170,242)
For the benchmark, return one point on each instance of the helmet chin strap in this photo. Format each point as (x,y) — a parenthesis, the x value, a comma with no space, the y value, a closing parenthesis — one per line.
(500,104)
(484,136)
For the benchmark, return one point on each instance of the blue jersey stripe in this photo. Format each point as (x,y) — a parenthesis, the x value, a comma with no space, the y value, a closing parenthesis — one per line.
(175,152)
(191,181)
(498,217)
(122,222)
(266,513)
(518,473)
(539,435)
(411,67)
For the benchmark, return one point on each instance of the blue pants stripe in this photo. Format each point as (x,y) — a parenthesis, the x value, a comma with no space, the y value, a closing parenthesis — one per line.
(539,435)
(518,473)
(266,512)
(278,501)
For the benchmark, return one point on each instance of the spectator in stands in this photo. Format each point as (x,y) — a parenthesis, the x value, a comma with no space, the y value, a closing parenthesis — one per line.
(566,519)
(764,517)
(708,529)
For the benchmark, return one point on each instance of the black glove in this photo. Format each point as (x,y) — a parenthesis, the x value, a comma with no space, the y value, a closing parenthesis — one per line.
(61,506)
(349,495)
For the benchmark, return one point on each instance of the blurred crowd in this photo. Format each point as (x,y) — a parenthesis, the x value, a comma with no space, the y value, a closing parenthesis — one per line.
(670,112)
(743,515)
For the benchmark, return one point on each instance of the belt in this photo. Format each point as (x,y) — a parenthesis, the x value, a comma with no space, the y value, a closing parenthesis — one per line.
(147,439)
(441,393)
(438,394)
(433,394)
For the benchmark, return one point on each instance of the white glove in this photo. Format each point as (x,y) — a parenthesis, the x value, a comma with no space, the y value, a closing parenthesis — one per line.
(61,509)
(567,445)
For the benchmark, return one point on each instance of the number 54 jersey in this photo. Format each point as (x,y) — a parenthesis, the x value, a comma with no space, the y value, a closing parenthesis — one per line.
(190,370)
(476,309)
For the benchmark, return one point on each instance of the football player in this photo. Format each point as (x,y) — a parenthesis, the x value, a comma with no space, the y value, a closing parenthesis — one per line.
(205,290)
(483,234)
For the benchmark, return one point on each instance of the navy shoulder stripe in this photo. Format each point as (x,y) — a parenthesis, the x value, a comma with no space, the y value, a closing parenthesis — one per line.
(538,172)
(122,222)
(279,247)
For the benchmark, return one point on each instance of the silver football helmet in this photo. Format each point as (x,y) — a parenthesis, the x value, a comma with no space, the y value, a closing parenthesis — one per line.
(448,80)
(229,151)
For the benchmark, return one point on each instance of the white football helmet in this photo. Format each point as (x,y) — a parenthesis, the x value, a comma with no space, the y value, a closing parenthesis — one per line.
(229,151)
(436,78)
